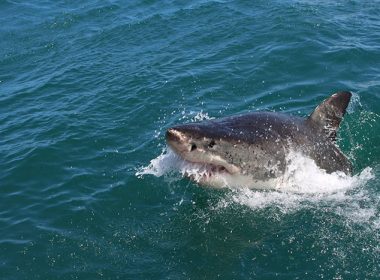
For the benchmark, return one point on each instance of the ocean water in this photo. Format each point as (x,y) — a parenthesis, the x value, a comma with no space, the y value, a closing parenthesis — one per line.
(88,189)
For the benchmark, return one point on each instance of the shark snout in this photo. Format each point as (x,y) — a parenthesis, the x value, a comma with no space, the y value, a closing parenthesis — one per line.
(173,135)
(177,140)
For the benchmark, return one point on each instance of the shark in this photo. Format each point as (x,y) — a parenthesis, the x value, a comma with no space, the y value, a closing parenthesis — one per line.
(252,150)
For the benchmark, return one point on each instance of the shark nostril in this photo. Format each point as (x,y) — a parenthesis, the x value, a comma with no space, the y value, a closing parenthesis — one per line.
(193,147)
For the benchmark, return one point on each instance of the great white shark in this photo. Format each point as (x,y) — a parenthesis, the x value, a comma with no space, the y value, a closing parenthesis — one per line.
(252,149)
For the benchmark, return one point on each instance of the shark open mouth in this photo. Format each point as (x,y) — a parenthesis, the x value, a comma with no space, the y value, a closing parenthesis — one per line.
(201,171)
(209,169)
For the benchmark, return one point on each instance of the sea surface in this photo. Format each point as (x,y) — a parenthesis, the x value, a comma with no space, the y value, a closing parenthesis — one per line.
(88,189)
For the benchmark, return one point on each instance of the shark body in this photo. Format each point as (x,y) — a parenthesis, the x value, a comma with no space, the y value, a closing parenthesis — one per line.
(252,149)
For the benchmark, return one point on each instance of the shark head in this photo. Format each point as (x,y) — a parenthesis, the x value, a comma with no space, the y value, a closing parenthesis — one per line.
(198,144)
(233,151)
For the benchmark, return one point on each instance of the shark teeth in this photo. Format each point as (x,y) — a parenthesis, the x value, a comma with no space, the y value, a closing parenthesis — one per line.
(202,171)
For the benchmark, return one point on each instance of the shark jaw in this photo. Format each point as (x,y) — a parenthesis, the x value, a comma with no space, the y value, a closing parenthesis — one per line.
(218,177)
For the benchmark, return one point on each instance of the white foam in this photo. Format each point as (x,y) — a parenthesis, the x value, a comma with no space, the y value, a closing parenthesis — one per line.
(168,162)
(304,185)
(337,191)
(165,163)
(304,176)
(200,116)
(301,176)
(354,103)
(194,116)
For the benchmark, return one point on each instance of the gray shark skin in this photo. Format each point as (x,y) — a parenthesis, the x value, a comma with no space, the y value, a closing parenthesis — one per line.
(256,145)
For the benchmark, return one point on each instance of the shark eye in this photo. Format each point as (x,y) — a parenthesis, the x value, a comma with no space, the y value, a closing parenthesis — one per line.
(193,147)
(211,144)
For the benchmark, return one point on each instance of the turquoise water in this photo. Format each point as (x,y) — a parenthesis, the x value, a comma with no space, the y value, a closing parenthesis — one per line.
(87,91)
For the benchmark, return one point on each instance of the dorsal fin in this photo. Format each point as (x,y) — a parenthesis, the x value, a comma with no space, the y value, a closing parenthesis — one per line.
(330,112)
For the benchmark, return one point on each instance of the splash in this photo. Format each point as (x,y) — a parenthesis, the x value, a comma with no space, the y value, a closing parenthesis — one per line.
(169,163)
(304,176)
(303,186)
(301,176)
(200,116)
